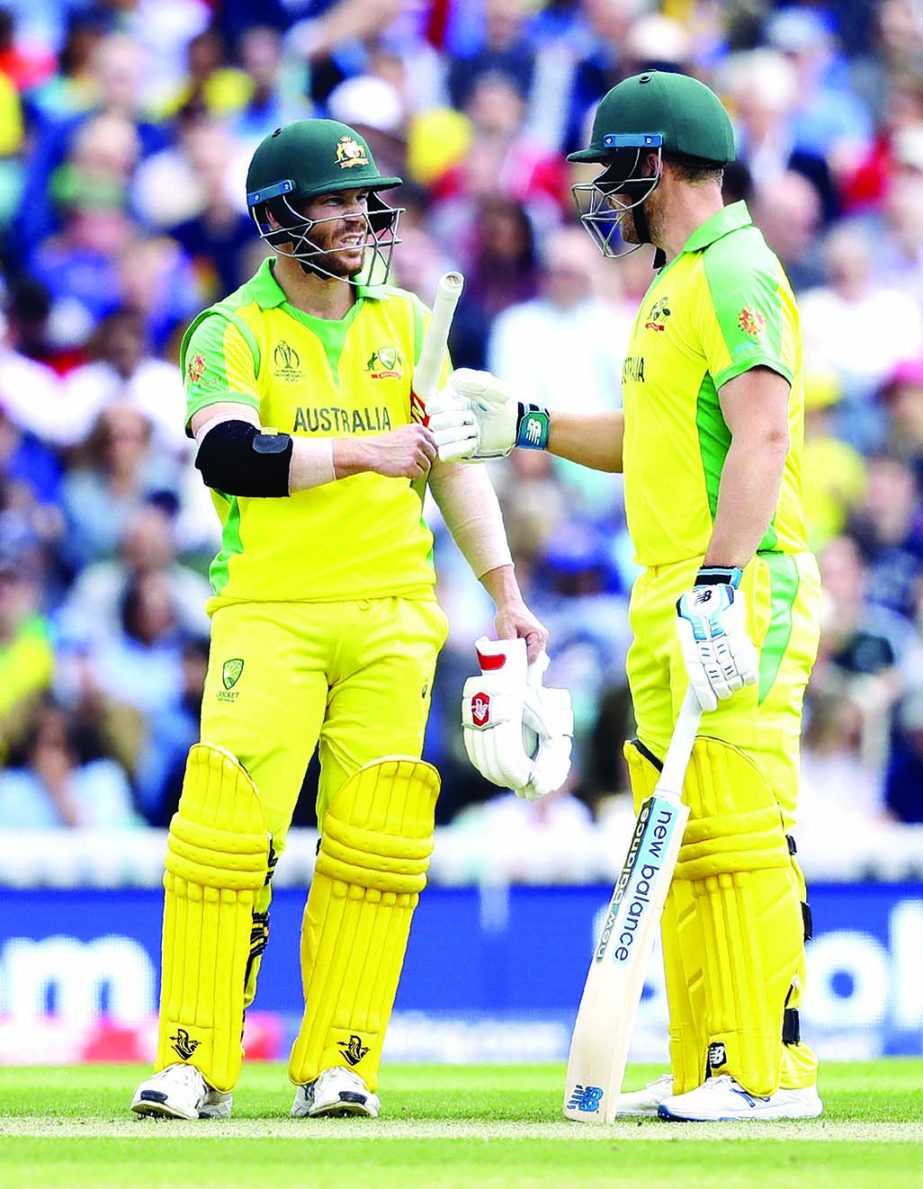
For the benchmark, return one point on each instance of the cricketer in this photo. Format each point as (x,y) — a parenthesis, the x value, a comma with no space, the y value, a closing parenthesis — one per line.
(710,441)
(325,632)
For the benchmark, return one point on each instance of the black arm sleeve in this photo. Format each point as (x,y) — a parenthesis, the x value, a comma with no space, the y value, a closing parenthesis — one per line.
(237,459)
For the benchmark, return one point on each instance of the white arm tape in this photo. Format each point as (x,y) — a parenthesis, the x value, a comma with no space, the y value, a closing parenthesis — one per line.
(312,458)
(470,508)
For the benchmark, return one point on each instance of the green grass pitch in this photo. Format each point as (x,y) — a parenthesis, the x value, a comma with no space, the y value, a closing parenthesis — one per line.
(449,1126)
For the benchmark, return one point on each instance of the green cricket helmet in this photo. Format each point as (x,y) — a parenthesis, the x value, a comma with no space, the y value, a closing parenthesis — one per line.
(302,161)
(656,112)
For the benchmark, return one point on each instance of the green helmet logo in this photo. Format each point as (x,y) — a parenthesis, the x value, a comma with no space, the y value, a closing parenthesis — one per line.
(350,153)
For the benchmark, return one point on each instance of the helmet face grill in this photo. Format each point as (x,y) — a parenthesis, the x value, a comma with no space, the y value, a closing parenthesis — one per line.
(603,203)
(292,237)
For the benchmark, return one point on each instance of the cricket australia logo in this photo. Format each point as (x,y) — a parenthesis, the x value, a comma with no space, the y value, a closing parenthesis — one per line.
(480,709)
(385,364)
(353,1049)
(286,362)
(183,1044)
(659,312)
(231,671)
(350,153)
(585,1098)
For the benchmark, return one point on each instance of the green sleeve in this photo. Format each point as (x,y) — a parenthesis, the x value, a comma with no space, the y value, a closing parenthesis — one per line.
(748,318)
(218,365)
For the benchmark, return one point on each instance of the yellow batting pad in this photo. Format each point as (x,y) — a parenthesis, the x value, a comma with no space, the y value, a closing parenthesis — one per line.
(371,867)
(747,922)
(682,961)
(217,862)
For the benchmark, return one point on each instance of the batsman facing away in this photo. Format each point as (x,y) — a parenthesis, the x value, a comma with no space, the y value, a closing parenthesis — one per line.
(710,441)
(325,632)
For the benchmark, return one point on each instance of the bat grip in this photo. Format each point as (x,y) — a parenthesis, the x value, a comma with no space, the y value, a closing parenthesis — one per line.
(676,760)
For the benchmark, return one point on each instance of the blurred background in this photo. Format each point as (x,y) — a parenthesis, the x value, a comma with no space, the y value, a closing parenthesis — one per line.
(126,127)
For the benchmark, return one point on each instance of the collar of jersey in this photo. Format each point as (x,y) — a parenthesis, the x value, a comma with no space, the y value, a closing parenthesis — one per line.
(267,292)
(728,219)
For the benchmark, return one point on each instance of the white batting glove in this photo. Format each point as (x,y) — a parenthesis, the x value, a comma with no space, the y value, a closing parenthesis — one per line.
(549,714)
(453,423)
(501,421)
(719,655)
(517,734)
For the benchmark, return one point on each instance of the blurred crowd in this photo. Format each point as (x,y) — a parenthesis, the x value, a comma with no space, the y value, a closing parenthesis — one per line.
(125,131)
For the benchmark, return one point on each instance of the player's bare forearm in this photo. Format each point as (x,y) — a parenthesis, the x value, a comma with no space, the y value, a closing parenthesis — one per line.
(755,407)
(513,616)
(593,440)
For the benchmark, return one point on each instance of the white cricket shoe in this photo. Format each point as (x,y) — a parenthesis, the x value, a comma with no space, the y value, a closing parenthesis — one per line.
(724,1100)
(335,1091)
(180,1092)
(644,1103)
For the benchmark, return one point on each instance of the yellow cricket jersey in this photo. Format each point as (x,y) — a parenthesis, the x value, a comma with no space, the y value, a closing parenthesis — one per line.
(721,307)
(360,537)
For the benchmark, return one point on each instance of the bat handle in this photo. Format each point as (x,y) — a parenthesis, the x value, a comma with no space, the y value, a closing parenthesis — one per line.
(676,760)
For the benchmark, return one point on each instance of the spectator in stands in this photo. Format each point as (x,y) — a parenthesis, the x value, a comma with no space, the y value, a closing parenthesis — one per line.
(118,475)
(59,778)
(897,229)
(172,728)
(902,398)
(904,775)
(566,340)
(787,210)
(506,49)
(273,96)
(865,186)
(840,788)
(148,546)
(155,280)
(833,472)
(860,328)
(79,267)
(218,233)
(30,392)
(26,651)
(762,86)
(888,528)
(830,120)
(856,640)
(123,371)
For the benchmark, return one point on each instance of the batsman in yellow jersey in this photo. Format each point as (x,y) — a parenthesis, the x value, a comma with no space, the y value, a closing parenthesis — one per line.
(325,633)
(710,441)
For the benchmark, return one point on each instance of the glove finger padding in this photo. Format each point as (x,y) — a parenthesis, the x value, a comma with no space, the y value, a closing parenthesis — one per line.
(550,714)
(492,727)
(517,734)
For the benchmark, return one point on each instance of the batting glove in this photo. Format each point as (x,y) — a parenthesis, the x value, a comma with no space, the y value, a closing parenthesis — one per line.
(517,733)
(717,650)
(501,421)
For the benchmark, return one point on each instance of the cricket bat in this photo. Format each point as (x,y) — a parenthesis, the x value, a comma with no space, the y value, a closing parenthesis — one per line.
(602,1033)
(432,353)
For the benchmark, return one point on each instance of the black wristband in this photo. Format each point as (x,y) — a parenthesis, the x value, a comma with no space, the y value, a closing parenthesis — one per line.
(719,576)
